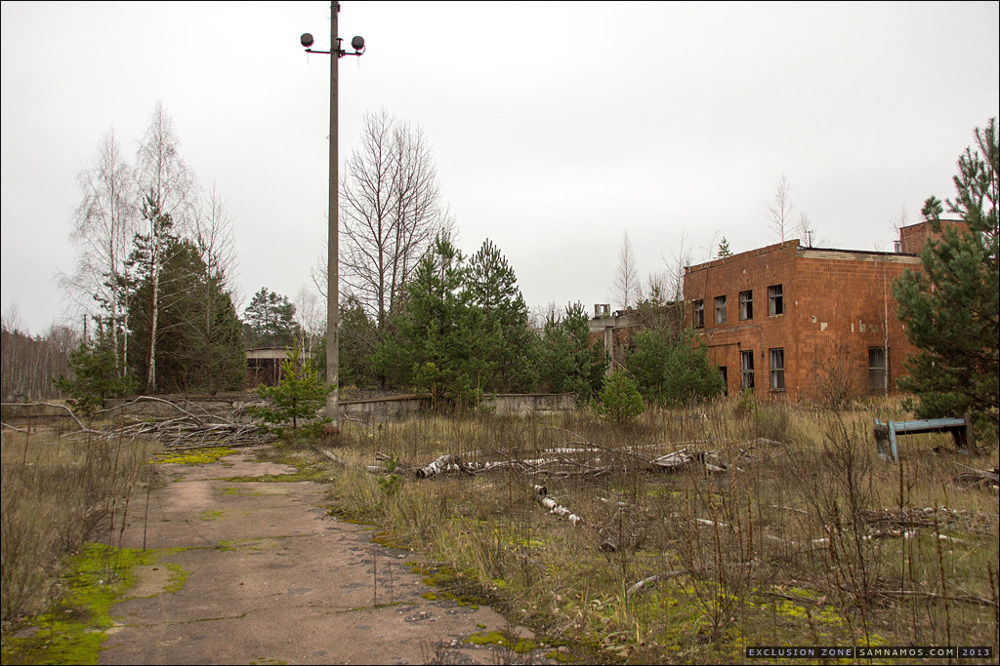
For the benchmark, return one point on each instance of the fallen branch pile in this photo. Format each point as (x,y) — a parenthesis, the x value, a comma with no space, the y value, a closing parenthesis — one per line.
(188,428)
(580,460)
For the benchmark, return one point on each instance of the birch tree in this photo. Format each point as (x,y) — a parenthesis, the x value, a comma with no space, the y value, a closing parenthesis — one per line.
(168,190)
(779,213)
(103,226)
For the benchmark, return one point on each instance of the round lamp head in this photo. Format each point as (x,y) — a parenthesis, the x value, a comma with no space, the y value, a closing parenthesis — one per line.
(358,43)
(307,40)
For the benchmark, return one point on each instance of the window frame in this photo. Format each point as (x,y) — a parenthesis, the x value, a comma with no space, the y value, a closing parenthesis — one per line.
(883,386)
(746,305)
(746,370)
(720,312)
(698,313)
(777,358)
(775,300)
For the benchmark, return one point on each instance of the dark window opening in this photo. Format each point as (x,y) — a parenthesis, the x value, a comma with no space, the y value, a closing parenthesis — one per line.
(775,304)
(778,369)
(699,314)
(746,305)
(878,376)
(723,372)
(746,369)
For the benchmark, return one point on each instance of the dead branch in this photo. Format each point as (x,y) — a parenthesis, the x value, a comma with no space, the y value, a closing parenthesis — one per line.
(149,398)
(15,429)
(649,580)
(962,598)
(331,455)
(50,404)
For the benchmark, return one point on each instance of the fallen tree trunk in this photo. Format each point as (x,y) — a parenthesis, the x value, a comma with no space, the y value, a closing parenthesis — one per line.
(554,507)
(649,580)
(445,463)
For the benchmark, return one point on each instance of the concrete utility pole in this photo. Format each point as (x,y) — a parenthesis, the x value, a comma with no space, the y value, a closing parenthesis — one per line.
(333,238)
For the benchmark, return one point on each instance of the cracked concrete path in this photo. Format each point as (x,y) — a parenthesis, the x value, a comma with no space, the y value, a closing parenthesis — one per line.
(272,579)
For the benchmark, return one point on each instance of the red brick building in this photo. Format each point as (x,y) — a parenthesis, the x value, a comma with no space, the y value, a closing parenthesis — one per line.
(793,322)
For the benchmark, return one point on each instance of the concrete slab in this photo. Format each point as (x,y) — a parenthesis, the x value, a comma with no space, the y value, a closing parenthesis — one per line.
(272,579)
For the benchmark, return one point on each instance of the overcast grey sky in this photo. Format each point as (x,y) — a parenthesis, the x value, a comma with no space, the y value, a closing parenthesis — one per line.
(556,127)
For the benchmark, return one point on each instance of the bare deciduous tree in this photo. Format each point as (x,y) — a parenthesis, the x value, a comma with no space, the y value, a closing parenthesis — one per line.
(310,315)
(213,235)
(779,213)
(626,286)
(807,232)
(671,281)
(103,226)
(390,213)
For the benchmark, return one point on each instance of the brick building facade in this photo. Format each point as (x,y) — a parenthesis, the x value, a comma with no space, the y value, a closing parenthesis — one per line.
(793,322)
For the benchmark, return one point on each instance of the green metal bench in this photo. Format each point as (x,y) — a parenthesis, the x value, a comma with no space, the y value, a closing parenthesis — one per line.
(960,429)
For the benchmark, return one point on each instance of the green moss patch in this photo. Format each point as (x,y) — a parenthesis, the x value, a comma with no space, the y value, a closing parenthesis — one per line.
(73,631)
(519,646)
(194,456)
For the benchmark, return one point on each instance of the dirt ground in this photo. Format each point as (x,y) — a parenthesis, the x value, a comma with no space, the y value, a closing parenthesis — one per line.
(272,579)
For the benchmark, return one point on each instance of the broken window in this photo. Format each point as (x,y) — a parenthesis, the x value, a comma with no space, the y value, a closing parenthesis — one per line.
(720,309)
(775,305)
(777,369)
(746,305)
(878,378)
(746,368)
(699,314)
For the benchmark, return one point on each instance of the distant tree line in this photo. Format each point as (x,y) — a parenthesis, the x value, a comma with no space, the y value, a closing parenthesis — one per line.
(31,362)
(156,253)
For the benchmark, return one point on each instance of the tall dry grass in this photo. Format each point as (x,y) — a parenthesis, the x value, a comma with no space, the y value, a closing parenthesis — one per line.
(57,493)
(813,539)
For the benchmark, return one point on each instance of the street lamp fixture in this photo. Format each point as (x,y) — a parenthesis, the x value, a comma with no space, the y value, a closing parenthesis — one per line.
(357,43)
(333,250)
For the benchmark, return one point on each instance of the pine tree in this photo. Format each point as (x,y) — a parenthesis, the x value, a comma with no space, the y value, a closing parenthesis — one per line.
(298,397)
(568,361)
(619,400)
(269,320)
(437,345)
(506,341)
(181,319)
(95,376)
(670,369)
(358,342)
(951,309)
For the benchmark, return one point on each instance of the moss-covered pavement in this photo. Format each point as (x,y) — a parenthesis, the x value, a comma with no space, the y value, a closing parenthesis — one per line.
(269,577)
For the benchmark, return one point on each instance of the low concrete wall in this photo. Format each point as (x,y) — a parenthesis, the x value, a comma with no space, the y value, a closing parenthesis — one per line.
(380,410)
(505,404)
(527,404)
(396,408)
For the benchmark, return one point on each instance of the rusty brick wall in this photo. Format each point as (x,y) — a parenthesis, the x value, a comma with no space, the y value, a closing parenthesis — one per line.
(912,238)
(834,310)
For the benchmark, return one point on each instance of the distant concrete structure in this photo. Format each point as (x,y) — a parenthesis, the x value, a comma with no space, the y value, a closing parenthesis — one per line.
(264,364)
(615,329)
